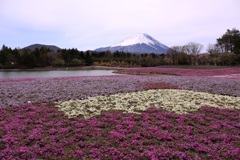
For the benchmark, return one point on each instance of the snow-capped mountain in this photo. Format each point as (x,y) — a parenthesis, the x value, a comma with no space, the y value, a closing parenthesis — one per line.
(139,43)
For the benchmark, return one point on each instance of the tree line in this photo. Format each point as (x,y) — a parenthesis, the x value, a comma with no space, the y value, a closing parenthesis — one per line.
(226,51)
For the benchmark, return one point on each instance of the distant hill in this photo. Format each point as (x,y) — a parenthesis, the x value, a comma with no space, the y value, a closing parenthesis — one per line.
(139,43)
(34,46)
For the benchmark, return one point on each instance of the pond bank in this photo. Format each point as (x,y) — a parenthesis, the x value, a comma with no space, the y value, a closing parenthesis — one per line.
(66,68)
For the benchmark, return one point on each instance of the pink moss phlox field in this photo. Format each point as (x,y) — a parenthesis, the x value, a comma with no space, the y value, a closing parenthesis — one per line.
(16,79)
(42,132)
(161,85)
(186,71)
(50,90)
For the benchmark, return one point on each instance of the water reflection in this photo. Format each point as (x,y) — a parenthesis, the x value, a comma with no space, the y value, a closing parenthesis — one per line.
(68,73)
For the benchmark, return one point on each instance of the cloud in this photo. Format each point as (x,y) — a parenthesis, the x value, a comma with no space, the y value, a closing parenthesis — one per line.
(94,23)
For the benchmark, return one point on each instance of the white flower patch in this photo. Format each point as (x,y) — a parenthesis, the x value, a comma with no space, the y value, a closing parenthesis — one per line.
(179,101)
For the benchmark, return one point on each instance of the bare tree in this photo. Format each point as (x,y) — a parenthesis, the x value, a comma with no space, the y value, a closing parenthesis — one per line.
(193,49)
(214,51)
(172,55)
(178,49)
(178,55)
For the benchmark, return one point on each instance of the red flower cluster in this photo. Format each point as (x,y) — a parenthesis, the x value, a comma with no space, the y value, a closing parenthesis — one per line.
(160,85)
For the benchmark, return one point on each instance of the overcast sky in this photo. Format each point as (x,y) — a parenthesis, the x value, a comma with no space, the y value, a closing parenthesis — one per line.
(90,24)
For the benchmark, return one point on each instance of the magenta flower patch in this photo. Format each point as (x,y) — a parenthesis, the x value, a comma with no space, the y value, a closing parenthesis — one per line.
(232,71)
(160,85)
(41,132)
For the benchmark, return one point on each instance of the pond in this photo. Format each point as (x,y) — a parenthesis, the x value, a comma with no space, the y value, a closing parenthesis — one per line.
(59,73)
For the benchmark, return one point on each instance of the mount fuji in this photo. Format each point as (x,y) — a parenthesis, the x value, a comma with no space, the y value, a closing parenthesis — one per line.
(139,43)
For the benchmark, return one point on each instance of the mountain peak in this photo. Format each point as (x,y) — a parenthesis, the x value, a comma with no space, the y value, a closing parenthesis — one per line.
(137,39)
(139,43)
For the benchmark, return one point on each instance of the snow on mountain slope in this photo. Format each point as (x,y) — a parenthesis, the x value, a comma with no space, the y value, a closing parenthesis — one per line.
(139,43)
(138,38)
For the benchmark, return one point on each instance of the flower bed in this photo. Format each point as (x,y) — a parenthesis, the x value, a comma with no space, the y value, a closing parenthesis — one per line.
(186,71)
(179,101)
(120,117)
(159,85)
(51,90)
(42,132)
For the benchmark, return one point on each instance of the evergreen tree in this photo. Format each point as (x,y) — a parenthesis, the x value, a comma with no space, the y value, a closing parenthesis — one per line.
(88,59)
(230,41)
